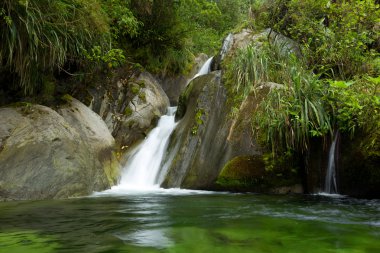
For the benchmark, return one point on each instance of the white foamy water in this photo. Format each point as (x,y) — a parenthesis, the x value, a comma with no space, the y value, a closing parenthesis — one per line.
(205,68)
(143,167)
(142,174)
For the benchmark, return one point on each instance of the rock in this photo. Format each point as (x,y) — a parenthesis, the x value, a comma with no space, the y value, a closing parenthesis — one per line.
(174,86)
(248,173)
(209,135)
(45,155)
(131,108)
(246,37)
(200,142)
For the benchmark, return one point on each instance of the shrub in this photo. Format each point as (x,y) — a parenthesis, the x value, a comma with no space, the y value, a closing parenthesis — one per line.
(39,36)
(289,115)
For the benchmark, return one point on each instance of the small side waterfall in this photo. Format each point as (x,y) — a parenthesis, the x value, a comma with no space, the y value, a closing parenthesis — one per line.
(205,68)
(143,167)
(330,180)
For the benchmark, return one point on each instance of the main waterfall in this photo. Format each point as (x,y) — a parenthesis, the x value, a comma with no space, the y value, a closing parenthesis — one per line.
(143,168)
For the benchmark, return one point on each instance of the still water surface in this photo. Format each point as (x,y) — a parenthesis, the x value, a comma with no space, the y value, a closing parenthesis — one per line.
(185,221)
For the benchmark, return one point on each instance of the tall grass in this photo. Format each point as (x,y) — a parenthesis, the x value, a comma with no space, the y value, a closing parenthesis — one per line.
(38,36)
(289,116)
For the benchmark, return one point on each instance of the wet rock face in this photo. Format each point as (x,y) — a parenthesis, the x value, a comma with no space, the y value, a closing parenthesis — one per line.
(175,85)
(46,155)
(200,142)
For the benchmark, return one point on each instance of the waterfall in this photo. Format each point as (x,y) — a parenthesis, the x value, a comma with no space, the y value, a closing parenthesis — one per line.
(143,167)
(330,180)
(227,43)
(205,69)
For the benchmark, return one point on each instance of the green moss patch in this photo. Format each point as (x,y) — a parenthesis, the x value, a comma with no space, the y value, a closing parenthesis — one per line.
(249,173)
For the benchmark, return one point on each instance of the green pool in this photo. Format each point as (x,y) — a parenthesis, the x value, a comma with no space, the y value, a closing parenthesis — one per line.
(183,221)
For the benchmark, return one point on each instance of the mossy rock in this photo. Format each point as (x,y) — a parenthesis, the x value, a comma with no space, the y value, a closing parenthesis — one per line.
(242,173)
(249,173)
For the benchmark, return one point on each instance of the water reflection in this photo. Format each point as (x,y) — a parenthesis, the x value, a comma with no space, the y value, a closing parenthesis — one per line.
(155,238)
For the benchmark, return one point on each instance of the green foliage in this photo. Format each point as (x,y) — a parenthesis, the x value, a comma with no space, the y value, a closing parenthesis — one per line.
(355,104)
(40,36)
(337,36)
(112,58)
(161,43)
(197,121)
(122,21)
(292,112)
(207,22)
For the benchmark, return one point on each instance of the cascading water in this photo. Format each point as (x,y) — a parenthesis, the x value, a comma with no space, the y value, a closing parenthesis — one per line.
(205,68)
(142,171)
(143,167)
(330,180)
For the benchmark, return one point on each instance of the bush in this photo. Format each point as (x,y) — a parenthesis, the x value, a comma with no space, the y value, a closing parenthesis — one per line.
(289,115)
(338,37)
(39,36)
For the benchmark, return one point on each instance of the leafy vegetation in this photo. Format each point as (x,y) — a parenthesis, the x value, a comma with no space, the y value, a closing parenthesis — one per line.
(338,38)
(293,110)
(40,36)
(334,86)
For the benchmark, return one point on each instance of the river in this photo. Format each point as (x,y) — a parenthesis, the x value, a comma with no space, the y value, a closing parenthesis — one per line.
(190,221)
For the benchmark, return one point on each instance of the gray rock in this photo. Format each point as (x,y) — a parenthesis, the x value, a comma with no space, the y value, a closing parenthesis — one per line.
(202,142)
(175,85)
(44,155)
(246,37)
(131,108)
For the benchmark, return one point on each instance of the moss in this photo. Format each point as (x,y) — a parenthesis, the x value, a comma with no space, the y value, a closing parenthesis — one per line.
(142,83)
(135,89)
(128,111)
(197,120)
(26,108)
(142,96)
(249,173)
(242,172)
(67,98)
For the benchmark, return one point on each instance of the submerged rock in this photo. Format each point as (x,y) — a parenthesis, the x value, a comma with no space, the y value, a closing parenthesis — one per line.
(46,155)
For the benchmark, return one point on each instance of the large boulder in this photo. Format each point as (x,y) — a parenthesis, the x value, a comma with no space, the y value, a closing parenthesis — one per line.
(46,155)
(201,143)
(131,107)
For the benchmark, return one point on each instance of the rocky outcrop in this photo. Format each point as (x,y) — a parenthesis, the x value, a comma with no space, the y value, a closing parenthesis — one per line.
(243,39)
(44,154)
(200,142)
(210,135)
(130,108)
(175,85)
